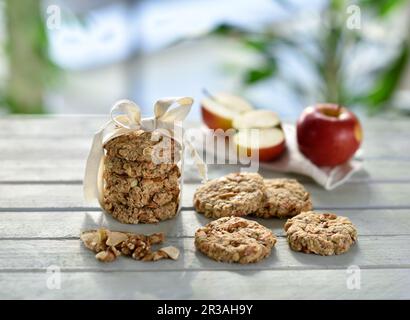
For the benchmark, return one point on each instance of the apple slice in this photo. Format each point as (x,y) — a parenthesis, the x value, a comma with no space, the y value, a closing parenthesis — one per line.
(219,110)
(269,143)
(259,119)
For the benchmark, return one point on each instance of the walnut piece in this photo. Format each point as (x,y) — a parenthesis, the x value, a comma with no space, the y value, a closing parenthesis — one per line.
(115,238)
(110,244)
(105,256)
(172,252)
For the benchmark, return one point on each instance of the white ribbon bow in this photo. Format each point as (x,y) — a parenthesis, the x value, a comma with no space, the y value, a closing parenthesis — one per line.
(129,119)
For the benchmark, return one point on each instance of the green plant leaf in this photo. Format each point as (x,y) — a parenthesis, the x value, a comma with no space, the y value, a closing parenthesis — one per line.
(387,82)
(257,44)
(226,29)
(382,7)
(264,72)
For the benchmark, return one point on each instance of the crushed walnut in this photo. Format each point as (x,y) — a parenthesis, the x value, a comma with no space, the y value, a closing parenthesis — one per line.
(108,245)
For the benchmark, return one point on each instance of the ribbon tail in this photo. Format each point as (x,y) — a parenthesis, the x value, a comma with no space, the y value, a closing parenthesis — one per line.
(91,178)
(182,106)
(199,163)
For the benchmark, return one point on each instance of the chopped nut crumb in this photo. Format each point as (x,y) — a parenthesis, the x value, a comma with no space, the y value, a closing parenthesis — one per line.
(110,244)
(105,256)
(172,252)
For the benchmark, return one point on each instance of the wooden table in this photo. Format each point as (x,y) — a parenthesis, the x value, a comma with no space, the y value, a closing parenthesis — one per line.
(42,213)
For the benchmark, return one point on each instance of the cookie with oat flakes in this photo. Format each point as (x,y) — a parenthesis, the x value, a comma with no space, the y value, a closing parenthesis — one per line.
(140,191)
(235,239)
(284,198)
(320,233)
(236,194)
(152,213)
(141,179)
(137,169)
(143,146)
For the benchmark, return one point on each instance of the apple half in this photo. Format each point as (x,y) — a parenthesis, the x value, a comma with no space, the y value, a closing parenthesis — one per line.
(261,119)
(219,110)
(264,144)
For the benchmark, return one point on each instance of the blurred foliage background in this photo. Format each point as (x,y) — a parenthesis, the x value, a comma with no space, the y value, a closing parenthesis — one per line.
(327,53)
(37,80)
(30,69)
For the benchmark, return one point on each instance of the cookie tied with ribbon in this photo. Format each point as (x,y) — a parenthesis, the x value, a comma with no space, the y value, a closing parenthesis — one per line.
(134,168)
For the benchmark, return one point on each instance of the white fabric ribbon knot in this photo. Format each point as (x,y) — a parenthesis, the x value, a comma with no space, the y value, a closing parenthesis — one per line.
(126,117)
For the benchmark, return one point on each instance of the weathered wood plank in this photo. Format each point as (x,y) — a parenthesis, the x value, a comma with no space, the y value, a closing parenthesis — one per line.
(36,151)
(374,170)
(55,148)
(71,147)
(278,284)
(369,252)
(59,125)
(50,125)
(58,170)
(71,170)
(354,195)
(69,224)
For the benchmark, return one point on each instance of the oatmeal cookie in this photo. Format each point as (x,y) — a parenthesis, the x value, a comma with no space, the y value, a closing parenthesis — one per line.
(236,194)
(143,146)
(284,198)
(320,233)
(235,239)
(108,245)
(136,169)
(145,200)
(139,193)
(147,214)
(138,199)
(145,187)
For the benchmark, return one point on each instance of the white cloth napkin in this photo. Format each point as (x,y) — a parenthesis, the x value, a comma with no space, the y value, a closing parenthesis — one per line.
(294,161)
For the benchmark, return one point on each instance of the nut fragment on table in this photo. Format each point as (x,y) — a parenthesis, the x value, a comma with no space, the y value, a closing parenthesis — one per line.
(172,252)
(108,245)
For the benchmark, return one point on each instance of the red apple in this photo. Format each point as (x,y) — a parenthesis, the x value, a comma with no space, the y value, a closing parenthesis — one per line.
(261,119)
(268,144)
(219,110)
(328,134)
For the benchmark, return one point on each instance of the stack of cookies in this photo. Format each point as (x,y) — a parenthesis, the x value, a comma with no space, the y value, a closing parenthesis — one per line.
(232,238)
(141,177)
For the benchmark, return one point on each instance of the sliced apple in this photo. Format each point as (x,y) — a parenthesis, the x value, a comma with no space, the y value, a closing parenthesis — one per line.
(266,144)
(219,110)
(259,119)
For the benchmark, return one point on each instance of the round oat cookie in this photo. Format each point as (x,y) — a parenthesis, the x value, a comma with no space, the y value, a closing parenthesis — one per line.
(320,233)
(235,239)
(147,214)
(284,198)
(236,194)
